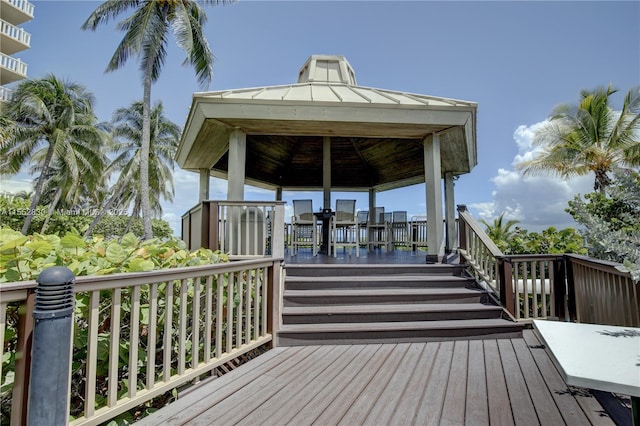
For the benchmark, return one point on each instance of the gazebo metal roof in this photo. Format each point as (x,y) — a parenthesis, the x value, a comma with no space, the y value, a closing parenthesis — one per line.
(376,134)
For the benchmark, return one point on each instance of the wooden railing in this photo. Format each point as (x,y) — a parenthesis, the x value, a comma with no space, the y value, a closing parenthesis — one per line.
(152,332)
(601,294)
(242,229)
(565,287)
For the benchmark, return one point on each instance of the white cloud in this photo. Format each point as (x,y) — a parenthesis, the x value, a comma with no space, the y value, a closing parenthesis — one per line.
(16,183)
(537,202)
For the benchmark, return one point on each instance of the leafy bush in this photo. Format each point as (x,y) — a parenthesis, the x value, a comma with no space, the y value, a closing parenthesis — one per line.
(24,257)
(549,241)
(13,211)
(611,221)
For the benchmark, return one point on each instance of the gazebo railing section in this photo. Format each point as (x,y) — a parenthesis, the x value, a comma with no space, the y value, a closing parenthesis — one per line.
(152,332)
(242,229)
(565,287)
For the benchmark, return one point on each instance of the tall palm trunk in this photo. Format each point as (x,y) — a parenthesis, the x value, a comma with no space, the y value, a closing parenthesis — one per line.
(37,191)
(52,208)
(144,152)
(116,194)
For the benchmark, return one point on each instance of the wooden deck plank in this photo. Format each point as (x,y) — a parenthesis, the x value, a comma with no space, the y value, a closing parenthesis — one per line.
(523,410)
(405,411)
(576,405)
(500,412)
(453,409)
(383,410)
(472,382)
(430,408)
(378,382)
(199,399)
(220,393)
(318,404)
(252,397)
(545,406)
(297,384)
(293,404)
(477,408)
(334,412)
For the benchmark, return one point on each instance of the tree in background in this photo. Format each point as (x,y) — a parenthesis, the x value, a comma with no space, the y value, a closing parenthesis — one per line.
(611,221)
(52,123)
(146,36)
(589,137)
(126,132)
(501,232)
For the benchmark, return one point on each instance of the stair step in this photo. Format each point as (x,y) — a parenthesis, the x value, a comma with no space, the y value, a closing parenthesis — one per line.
(299,270)
(387,313)
(383,296)
(396,281)
(396,332)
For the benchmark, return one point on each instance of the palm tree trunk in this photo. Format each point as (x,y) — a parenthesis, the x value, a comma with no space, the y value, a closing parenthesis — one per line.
(116,194)
(37,191)
(52,207)
(144,154)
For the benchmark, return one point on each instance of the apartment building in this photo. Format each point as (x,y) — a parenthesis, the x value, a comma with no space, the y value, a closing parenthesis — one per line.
(13,39)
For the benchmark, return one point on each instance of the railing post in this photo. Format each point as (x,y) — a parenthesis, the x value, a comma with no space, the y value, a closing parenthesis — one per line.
(20,395)
(560,288)
(273,302)
(462,231)
(51,357)
(214,225)
(571,290)
(506,285)
(277,232)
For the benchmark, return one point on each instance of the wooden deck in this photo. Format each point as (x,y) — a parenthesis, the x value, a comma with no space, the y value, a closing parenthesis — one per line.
(470,382)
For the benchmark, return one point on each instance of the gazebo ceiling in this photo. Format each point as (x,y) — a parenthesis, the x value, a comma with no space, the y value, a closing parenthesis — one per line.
(376,135)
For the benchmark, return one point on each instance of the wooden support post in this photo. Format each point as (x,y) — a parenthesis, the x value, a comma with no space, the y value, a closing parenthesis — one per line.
(274,301)
(560,288)
(506,285)
(572,311)
(462,231)
(22,375)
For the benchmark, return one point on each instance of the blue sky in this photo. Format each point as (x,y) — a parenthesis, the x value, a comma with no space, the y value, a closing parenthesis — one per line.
(517,60)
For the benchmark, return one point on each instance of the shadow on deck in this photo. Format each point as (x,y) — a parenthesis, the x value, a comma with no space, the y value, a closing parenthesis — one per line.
(473,382)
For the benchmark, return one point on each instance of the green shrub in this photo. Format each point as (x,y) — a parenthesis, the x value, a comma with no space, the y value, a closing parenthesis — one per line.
(13,212)
(24,257)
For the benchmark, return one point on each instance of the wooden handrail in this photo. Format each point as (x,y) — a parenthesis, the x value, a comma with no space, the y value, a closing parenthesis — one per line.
(200,332)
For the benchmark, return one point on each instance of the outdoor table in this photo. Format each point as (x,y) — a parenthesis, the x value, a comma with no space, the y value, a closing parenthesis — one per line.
(596,356)
(324,216)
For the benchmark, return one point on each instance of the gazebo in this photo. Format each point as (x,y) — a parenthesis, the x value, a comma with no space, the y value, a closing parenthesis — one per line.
(327,133)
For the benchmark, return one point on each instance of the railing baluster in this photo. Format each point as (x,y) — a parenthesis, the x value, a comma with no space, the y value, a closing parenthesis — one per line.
(219,313)
(114,347)
(247,298)
(195,324)
(152,335)
(230,297)
(134,336)
(92,354)
(182,327)
(168,329)
(208,318)
(239,309)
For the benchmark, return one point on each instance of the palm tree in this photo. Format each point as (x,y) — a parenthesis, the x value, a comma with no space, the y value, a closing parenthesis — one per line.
(53,123)
(500,232)
(589,137)
(145,36)
(126,131)
(62,189)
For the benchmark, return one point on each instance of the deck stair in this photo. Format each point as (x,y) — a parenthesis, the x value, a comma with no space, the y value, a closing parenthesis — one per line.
(334,304)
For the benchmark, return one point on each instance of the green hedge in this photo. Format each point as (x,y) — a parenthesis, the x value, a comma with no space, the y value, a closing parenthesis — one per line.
(114,224)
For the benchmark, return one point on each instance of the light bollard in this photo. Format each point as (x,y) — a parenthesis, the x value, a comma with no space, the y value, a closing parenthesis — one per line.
(48,402)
